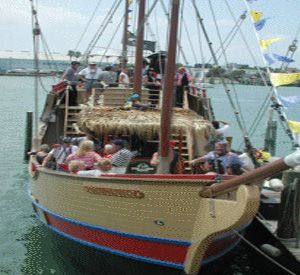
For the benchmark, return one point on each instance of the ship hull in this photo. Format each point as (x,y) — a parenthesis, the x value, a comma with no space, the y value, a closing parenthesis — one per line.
(102,251)
(147,221)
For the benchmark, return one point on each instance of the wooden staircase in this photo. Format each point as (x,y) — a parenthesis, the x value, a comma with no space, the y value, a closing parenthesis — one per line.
(71,114)
(184,154)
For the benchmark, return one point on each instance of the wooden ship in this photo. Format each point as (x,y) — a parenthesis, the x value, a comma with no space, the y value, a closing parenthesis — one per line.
(144,221)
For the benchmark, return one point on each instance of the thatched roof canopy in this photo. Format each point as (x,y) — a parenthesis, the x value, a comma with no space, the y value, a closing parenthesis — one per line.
(146,124)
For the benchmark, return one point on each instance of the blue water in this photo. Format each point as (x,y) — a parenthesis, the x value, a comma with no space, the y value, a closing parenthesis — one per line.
(25,244)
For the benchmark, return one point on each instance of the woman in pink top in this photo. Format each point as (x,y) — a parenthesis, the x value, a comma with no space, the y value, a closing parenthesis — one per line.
(86,154)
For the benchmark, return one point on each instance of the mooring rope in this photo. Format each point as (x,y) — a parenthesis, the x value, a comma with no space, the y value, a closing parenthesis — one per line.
(262,253)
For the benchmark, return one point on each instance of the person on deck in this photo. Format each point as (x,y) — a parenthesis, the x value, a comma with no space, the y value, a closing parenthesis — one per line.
(71,76)
(183,79)
(108,151)
(86,154)
(152,83)
(90,75)
(124,78)
(60,154)
(221,153)
(41,153)
(134,102)
(75,166)
(103,166)
(249,158)
(173,157)
(221,132)
(108,76)
(121,156)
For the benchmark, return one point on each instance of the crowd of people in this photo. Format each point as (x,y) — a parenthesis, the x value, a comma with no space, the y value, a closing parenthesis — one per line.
(87,159)
(92,77)
(84,159)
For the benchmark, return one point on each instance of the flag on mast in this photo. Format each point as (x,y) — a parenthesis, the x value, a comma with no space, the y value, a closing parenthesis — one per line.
(279,79)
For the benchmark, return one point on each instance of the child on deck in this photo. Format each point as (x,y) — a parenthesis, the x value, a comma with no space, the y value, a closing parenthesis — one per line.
(103,166)
(75,166)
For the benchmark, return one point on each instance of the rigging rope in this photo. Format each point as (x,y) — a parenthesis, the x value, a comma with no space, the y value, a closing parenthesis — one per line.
(201,52)
(291,50)
(180,29)
(264,105)
(227,90)
(262,253)
(178,41)
(87,25)
(279,109)
(102,28)
(238,108)
(230,36)
(112,38)
(189,39)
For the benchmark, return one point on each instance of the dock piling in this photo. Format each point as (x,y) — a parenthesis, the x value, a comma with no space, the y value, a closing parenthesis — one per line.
(28,135)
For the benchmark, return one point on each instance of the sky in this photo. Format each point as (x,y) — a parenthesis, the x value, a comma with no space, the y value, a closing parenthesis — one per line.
(63,22)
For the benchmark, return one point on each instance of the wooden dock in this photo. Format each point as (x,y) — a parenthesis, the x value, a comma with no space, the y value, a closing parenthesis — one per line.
(287,227)
(293,245)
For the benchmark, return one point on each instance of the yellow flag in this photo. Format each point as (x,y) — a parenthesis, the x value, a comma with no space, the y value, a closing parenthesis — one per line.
(265,43)
(294,125)
(130,2)
(256,15)
(279,79)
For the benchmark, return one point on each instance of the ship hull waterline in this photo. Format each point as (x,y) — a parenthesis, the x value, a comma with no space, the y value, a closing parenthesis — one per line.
(158,220)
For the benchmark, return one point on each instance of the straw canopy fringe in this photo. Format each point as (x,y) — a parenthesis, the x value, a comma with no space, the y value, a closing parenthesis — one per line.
(145,124)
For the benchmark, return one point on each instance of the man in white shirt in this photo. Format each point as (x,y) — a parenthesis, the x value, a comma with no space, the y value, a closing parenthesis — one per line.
(90,74)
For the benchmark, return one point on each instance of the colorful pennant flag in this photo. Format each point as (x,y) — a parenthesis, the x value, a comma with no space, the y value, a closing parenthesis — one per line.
(286,101)
(272,58)
(260,24)
(269,58)
(256,15)
(294,125)
(283,58)
(279,79)
(265,43)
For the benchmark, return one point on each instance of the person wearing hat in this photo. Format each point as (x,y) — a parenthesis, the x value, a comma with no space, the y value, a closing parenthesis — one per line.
(90,75)
(183,80)
(71,76)
(121,156)
(60,153)
(134,102)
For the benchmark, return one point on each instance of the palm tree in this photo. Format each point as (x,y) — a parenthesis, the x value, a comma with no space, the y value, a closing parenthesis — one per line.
(71,54)
(77,54)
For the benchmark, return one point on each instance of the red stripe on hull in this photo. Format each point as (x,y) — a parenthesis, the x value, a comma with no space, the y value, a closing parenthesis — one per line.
(169,176)
(160,251)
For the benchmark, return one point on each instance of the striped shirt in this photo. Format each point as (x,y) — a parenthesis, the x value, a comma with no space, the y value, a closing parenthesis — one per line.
(61,153)
(121,158)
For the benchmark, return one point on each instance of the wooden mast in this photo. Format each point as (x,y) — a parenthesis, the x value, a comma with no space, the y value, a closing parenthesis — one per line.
(125,36)
(36,37)
(166,112)
(137,82)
